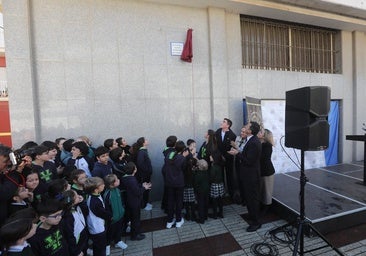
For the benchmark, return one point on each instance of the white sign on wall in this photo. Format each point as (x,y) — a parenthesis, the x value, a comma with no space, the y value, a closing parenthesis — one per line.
(176,48)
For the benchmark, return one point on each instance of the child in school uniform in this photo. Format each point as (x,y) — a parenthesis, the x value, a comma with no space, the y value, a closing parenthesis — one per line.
(74,223)
(103,166)
(113,202)
(78,178)
(56,187)
(14,234)
(33,185)
(169,148)
(98,215)
(80,158)
(201,187)
(144,169)
(118,160)
(216,183)
(188,192)
(21,200)
(41,163)
(49,239)
(174,181)
(134,192)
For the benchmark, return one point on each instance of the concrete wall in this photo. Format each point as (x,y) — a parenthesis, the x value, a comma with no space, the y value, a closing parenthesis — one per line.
(104,69)
(359,89)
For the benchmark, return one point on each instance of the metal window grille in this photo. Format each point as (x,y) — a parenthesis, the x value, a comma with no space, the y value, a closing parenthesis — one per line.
(272,45)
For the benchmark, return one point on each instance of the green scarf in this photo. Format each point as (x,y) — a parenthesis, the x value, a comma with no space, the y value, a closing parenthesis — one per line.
(116,204)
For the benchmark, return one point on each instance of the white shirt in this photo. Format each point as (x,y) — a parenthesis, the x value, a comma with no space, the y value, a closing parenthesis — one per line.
(222,135)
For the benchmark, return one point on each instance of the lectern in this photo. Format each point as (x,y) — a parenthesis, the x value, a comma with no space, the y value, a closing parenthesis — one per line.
(360,138)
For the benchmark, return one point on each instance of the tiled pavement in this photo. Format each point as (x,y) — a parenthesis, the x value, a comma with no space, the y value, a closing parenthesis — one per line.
(225,236)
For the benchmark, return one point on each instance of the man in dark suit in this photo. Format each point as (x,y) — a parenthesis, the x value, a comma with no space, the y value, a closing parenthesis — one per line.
(249,173)
(224,137)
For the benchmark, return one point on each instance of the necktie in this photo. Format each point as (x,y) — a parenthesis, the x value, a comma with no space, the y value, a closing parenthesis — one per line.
(242,144)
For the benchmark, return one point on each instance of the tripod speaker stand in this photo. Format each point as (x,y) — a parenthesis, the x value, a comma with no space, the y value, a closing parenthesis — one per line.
(302,223)
(307,128)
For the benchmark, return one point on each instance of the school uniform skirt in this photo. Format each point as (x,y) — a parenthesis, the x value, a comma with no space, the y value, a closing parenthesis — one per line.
(188,195)
(217,190)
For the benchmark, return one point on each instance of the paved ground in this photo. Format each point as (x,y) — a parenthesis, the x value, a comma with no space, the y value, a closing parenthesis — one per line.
(225,236)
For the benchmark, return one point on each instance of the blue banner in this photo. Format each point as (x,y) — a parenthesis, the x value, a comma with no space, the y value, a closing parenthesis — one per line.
(331,154)
(245,112)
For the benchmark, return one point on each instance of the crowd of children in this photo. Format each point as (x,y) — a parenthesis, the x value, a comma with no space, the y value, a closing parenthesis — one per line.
(70,198)
(192,180)
(82,199)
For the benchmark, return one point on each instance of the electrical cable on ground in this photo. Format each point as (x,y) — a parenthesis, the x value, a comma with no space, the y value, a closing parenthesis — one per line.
(264,249)
(280,236)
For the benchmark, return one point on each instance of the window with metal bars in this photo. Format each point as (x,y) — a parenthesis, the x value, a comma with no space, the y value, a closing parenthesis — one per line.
(275,45)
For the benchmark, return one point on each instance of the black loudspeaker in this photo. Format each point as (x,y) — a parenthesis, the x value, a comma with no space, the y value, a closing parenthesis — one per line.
(306,119)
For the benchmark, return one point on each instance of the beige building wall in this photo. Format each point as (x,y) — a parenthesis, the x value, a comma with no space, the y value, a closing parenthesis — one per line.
(104,69)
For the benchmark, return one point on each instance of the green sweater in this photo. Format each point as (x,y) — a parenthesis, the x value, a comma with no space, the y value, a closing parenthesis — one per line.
(201,182)
(216,174)
(114,201)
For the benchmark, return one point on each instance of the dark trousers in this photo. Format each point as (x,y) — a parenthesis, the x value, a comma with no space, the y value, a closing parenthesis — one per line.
(114,231)
(251,194)
(164,200)
(145,198)
(145,195)
(190,211)
(217,207)
(135,221)
(99,243)
(202,206)
(175,203)
(242,191)
(127,216)
(231,183)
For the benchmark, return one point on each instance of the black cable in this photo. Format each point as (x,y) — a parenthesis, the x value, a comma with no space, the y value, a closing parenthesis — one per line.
(284,150)
(297,157)
(264,249)
(283,235)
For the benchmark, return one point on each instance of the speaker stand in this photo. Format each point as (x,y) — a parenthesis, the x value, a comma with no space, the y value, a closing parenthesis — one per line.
(302,223)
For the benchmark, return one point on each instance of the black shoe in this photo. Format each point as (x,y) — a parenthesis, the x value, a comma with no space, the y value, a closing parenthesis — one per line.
(200,221)
(138,237)
(212,216)
(220,215)
(193,217)
(253,228)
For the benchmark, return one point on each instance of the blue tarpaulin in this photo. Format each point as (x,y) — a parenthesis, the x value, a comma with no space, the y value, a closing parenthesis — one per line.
(331,154)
